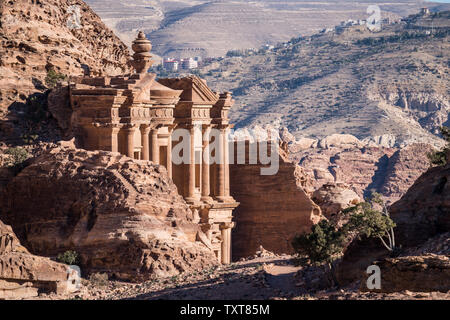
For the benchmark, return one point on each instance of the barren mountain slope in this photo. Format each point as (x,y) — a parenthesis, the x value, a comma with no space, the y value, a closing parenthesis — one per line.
(211,28)
(354,82)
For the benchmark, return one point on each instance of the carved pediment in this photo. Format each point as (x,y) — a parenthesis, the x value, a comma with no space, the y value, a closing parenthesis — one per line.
(194,90)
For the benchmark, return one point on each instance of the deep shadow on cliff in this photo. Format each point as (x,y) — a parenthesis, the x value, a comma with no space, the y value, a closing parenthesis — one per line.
(422,216)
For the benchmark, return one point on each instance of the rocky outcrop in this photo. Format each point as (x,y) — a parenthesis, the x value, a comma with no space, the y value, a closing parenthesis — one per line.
(23,275)
(273,208)
(333,198)
(429,107)
(341,141)
(422,214)
(404,168)
(36,36)
(357,167)
(123,217)
(388,171)
(425,273)
(424,211)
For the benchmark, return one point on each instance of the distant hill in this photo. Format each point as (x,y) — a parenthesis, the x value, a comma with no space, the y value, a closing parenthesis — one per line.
(350,81)
(211,28)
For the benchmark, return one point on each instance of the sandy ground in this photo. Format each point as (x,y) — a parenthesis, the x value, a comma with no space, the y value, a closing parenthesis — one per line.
(263,278)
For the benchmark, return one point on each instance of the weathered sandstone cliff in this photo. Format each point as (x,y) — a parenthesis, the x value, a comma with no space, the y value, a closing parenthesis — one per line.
(421,216)
(122,216)
(35,37)
(272,210)
(23,275)
(364,167)
(424,211)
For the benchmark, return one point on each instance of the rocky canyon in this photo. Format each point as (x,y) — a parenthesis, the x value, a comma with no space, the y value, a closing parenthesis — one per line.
(88,178)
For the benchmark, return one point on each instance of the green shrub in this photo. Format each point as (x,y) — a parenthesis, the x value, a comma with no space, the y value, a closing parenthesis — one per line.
(439,158)
(53,78)
(68,257)
(367,220)
(323,244)
(326,242)
(17,156)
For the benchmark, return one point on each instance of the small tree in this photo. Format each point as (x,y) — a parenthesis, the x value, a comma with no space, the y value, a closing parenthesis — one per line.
(439,158)
(366,219)
(324,244)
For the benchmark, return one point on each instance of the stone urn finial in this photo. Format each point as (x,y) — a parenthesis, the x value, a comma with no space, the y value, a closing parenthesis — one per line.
(141,58)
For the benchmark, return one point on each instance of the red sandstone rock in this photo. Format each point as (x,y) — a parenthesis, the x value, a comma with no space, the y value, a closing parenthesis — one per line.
(404,168)
(272,210)
(388,171)
(35,38)
(425,273)
(122,216)
(23,275)
(424,211)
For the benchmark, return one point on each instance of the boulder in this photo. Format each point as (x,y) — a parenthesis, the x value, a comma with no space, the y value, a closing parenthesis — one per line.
(427,273)
(123,217)
(340,141)
(333,198)
(23,275)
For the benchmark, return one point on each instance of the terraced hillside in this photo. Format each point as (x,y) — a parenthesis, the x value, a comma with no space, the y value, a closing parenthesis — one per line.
(211,28)
(348,81)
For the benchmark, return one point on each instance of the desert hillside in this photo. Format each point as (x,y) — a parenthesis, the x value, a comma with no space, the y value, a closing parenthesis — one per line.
(214,27)
(348,80)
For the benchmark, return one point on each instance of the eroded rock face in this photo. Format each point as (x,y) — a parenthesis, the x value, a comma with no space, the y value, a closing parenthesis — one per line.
(273,209)
(122,216)
(421,216)
(425,273)
(388,171)
(333,198)
(23,275)
(36,37)
(424,211)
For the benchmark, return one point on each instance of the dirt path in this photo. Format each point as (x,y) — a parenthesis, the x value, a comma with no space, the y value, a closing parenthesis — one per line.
(256,279)
(281,277)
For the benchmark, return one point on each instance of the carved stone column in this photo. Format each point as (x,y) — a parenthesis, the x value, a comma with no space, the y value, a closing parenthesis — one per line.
(169,152)
(145,130)
(206,189)
(115,138)
(130,141)
(221,167)
(155,146)
(225,229)
(226,155)
(191,173)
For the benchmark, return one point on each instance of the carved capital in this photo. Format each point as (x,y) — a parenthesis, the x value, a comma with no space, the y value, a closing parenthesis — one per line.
(226,225)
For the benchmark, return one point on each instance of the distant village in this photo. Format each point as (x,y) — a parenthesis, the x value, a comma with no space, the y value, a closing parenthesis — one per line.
(175,65)
(171,64)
